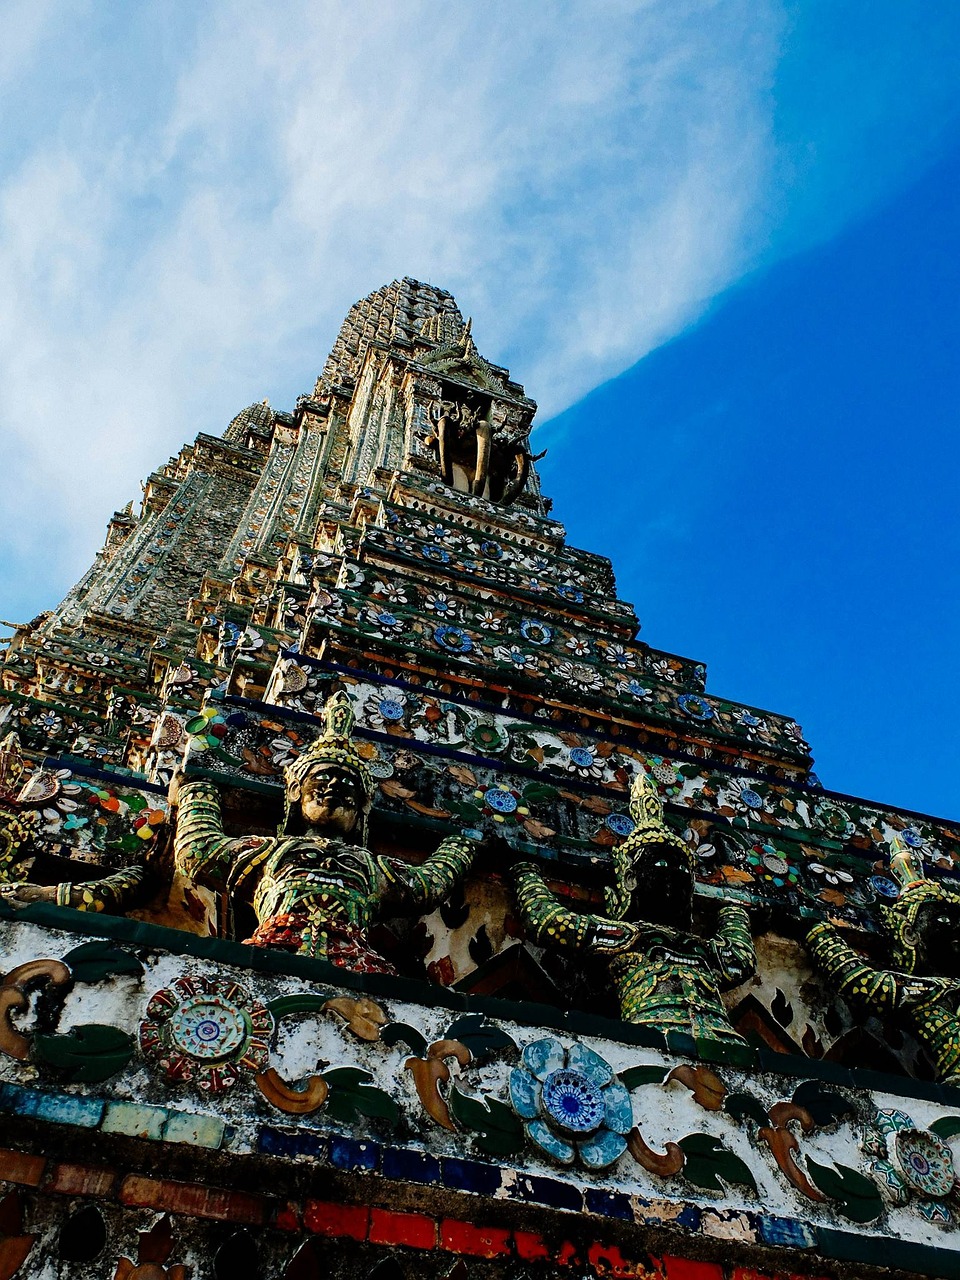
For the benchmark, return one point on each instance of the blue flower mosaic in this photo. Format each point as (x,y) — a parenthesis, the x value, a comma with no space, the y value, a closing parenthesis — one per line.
(438,554)
(697,708)
(453,638)
(570,593)
(572,1105)
(492,550)
(386,619)
(536,632)
(636,689)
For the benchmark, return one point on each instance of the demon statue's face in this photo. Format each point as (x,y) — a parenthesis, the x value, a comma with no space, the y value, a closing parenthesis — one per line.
(331,799)
(937,931)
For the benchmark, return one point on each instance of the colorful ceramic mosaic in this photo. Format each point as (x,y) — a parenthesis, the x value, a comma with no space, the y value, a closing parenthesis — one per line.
(571,1104)
(207,1032)
(910,1163)
(665,976)
(924,926)
(315,893)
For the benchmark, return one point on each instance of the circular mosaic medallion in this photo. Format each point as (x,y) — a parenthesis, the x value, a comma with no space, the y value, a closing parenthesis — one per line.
(209,1029)
(665,775)
(42,786)
(582,757)
(775,864)
(499,800)
(570,593)
(747,719)
(486,736)
(492,550)
(751,799)
(294,679)
(885,887)
(453,638)
(695,707)
(390,710)
(206,1031)
(381,768)
(621,824)
(925,1162)
(170,733)
(835,820)
(572,1101)
(536,632)
(912,837)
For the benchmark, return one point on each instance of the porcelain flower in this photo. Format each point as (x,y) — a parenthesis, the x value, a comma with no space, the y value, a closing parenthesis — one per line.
(571,1103)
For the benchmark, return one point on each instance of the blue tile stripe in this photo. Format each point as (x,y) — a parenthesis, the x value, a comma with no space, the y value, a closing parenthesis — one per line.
(158,1124)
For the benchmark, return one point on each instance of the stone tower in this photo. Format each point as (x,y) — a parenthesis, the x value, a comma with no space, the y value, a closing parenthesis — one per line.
(560,963)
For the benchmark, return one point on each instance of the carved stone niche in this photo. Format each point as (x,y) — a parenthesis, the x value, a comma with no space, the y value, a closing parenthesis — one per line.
(480,444)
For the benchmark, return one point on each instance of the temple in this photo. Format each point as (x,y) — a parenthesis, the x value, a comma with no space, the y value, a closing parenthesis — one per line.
(375,903)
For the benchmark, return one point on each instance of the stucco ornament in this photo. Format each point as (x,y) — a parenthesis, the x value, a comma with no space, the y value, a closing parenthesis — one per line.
(913,1164)
(206,1031)
(571,1104)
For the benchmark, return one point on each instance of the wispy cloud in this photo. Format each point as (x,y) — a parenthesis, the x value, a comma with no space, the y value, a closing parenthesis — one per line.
(184,221)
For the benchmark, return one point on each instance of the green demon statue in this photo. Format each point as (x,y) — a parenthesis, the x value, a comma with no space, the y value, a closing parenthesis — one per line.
(315,888)
(665,975)
(923,987)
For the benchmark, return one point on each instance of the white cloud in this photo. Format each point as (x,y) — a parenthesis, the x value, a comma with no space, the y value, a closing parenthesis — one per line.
(183,232)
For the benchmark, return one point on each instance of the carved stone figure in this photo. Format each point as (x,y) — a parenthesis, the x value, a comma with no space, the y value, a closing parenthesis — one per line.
(923,986)
(666,976)
(315,889)
(480,452)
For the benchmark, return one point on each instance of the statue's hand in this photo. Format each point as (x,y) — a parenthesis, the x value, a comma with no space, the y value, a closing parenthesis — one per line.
(21,894)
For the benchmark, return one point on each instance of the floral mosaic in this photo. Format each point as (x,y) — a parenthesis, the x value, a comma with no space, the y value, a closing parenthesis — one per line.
(915,1165)
(207,1032)
(572,1106)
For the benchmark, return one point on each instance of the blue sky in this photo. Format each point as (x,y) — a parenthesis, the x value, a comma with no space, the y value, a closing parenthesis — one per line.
(715,240)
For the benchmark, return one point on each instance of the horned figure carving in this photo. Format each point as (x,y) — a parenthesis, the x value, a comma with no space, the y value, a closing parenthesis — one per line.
(476,454)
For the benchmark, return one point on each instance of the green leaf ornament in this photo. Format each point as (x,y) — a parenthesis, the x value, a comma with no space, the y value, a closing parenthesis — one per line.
(946,1127)
(403,1033)
(744,1105)
(87,1054)
(479,1037)
(634,1077)
(499,1130)
(858,1197)
(300,1002)
(707,1161)
(353,1095)
(93,961)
